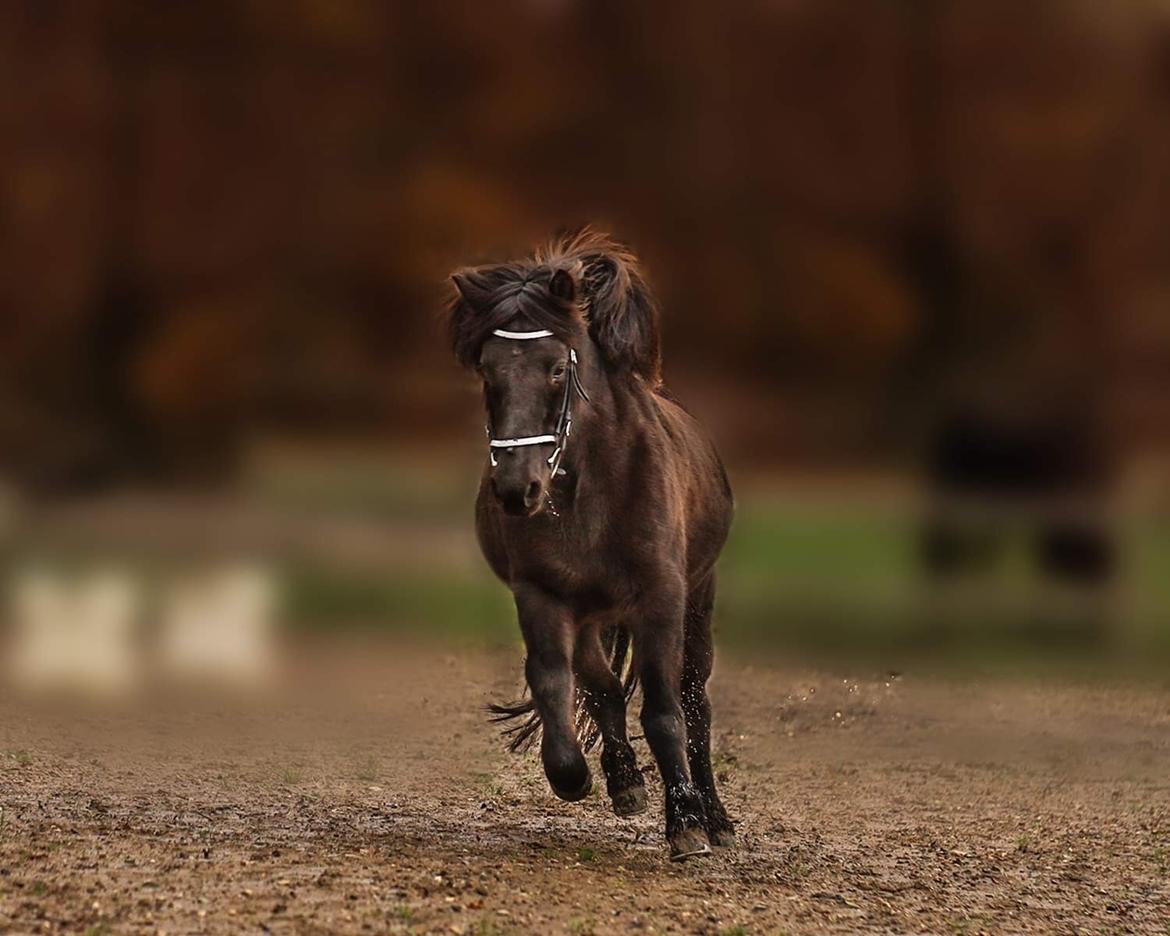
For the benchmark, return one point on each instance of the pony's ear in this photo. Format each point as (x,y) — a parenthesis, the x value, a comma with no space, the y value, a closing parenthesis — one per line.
(561,286)
(459,281)
(623,313)
(460,315)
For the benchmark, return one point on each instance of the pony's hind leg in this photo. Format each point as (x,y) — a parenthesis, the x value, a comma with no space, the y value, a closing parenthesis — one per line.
(698,658)
(606,703)
(548,636)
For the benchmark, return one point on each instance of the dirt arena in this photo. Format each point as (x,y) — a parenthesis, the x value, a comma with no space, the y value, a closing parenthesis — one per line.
(369,795)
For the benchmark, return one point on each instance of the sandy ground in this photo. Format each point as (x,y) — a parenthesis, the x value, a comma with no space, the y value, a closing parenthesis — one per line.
(376,799)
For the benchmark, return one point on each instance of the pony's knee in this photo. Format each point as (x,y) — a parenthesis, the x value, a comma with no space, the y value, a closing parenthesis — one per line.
(662,726)
(549,678)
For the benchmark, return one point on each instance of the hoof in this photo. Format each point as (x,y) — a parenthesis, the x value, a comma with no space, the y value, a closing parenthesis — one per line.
(630,802)
(722,838)
(572,796)
(689,843)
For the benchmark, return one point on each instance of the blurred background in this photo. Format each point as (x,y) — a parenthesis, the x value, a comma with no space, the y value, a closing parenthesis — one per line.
(912,254)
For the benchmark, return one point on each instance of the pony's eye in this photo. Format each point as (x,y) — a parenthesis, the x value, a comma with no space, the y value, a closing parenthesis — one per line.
(558,371)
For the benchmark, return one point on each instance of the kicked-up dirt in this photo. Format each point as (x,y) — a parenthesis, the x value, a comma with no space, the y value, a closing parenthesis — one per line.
(369,795)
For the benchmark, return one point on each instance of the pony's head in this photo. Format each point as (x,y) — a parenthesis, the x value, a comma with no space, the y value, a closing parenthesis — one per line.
(582,288)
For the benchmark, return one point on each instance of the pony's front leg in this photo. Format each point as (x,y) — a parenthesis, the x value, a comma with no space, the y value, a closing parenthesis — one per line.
(547,626)
(658,650)
(607,704)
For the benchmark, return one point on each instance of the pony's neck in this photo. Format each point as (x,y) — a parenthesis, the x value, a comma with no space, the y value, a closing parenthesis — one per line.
(597,447)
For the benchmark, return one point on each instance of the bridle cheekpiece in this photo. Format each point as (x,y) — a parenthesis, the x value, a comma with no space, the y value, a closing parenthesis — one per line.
(559,437)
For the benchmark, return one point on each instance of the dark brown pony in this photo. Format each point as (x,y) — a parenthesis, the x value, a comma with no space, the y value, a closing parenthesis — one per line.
(603,506)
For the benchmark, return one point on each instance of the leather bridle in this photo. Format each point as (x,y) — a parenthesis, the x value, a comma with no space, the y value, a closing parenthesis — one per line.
(559,437)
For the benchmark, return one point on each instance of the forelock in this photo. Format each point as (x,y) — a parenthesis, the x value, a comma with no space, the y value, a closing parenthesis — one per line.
(514,296)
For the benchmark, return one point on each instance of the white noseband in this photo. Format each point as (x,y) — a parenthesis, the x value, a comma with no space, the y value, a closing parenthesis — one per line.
(528,440)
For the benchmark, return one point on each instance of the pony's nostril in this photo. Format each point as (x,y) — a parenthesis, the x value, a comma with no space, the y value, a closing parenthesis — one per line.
(531,493)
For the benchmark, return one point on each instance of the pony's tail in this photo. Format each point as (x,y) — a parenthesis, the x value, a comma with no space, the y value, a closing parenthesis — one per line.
(522,735)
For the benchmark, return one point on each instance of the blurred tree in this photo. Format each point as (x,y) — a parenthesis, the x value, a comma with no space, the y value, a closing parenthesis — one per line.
(205,205)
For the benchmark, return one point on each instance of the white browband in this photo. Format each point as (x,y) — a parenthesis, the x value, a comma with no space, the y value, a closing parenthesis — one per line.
(522,336)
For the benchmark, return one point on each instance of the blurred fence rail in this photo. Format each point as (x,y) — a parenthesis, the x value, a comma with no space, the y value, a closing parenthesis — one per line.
(814,565)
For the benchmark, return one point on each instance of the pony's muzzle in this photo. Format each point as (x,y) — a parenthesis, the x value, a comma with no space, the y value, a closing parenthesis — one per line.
(517,488)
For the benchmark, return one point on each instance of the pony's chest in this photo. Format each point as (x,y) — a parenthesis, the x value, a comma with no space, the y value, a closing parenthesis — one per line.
(563,558)
(572,559)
